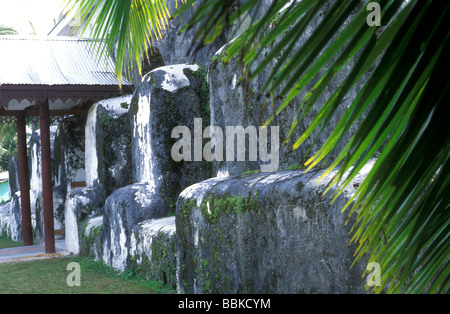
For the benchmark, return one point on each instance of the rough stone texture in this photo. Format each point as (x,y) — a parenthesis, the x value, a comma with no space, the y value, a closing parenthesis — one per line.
(168,97)
(13,171)
(91,238)
(265,233)
(153,250)
(175,47)
(15,218)
(107,142)
(11,219)
(81,204)
(67,139)
(5,218)
(35,174)
(59,199)
(236,101)
(35,169)
(68,163)
(124,209)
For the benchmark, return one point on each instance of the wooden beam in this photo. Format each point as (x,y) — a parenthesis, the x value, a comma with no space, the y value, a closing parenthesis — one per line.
(47,185)
(78,184)
(52,113)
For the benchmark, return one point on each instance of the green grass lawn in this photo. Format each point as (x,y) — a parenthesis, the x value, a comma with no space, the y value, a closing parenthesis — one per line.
(49,277)
(6,243)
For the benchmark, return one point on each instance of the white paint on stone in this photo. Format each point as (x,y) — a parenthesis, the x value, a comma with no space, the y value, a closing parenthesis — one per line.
(90,157)
(93,223)
(114,108)
(174,79)
(35,173)
(141,133)
(142,195)
(114,105)
(234,81)
(119,258)
(148,230)
(72,241)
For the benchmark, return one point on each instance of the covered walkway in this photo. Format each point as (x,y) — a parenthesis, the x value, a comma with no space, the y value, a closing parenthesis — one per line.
(29,252)
(47,77)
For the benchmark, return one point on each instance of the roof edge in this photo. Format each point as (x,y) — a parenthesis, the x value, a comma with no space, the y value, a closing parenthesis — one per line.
(48,38)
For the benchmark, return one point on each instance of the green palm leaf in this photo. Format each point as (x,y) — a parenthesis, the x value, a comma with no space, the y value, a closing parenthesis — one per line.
(403,217)
(5,30)
(129,27)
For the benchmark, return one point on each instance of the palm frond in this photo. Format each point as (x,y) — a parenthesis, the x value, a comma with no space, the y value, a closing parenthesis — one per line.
(129,28)
(403,216)
(5,30)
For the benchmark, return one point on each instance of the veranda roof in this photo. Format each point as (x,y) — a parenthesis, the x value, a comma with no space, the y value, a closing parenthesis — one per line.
(44,77)
(54,67)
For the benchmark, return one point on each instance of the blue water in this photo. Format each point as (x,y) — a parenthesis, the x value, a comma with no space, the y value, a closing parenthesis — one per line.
(4,191)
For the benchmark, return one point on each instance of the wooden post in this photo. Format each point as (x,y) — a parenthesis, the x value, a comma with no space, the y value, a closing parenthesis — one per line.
(27,234)
(47,194)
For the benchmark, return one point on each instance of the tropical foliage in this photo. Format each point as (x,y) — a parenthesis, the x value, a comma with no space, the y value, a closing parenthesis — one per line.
(403,219)
(128,27)
(8,139)
(5,30)
(8,142)
(402,207)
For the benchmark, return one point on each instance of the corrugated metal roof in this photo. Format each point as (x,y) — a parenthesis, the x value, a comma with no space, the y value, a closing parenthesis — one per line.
(53,61)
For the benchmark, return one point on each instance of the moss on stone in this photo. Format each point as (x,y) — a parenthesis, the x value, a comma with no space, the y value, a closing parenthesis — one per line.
(202,91)
(210,264)
(159,263)
(87,241)
(212,207)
